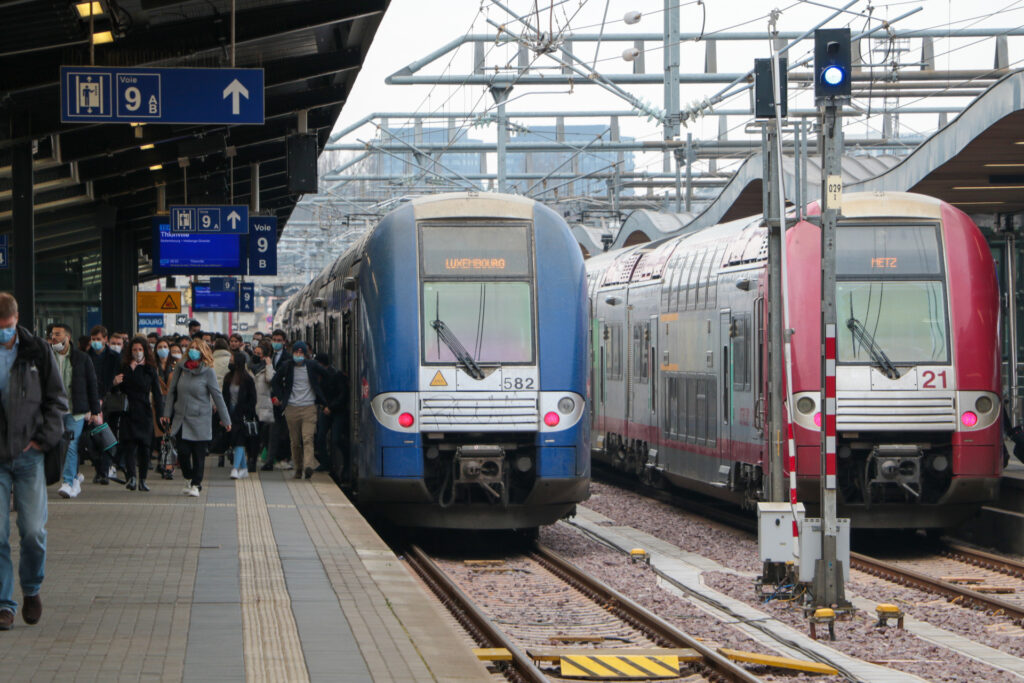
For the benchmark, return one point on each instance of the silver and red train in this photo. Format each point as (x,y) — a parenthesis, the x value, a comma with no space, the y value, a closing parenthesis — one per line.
(679,361)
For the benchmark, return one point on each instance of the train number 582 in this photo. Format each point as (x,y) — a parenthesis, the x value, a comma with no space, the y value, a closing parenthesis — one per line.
(516,383)
(930,379)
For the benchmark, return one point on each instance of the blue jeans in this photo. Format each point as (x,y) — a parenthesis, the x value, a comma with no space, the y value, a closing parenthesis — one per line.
(25,476)
(240,463)
(71,460)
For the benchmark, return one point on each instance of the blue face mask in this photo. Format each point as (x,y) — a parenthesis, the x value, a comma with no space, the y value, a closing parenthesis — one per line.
(193,354)
(7,334)
(299,360)
(96,345)
(277,346)
(163,353)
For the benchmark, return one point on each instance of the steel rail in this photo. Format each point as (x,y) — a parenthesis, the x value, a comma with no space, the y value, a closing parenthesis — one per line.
(471,618)
(640,616)
(980,558)
(931,584)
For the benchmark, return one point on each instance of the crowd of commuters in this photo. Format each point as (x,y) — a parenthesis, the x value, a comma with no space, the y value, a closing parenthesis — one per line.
(123,401)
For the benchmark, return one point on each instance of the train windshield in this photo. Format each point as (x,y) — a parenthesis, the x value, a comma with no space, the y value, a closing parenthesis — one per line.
(891,295)
(478,322)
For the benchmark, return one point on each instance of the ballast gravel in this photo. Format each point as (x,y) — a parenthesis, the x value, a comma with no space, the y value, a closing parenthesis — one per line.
(900,650)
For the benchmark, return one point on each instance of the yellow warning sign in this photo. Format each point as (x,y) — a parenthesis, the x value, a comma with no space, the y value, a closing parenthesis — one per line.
(158,302)
(438,380)
(622,667)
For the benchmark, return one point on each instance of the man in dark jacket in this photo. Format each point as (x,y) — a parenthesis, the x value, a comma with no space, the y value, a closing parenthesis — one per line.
(79,379)
(298,388)
(107,364)
(329,419)
(31,422)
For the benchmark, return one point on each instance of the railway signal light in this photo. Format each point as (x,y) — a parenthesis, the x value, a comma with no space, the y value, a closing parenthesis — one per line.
(832,63)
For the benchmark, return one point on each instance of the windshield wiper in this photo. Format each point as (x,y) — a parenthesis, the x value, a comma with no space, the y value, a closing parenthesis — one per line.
(867,340)
(461,354)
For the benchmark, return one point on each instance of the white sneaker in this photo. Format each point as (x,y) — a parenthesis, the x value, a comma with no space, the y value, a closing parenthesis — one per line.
(65,490)
(234,473)
(112,472)
(243,473)
(80,478)
(193,491)
(285,465)
(76,487)
(187,491)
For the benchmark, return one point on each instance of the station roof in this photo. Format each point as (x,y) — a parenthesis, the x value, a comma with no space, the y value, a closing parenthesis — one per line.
(975,162)
(85,175)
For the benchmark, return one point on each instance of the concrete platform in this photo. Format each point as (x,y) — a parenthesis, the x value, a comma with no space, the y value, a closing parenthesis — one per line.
(1001,525)
(264,579)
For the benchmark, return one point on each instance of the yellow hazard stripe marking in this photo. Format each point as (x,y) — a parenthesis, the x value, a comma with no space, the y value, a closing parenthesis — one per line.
(619,667)
(778,662)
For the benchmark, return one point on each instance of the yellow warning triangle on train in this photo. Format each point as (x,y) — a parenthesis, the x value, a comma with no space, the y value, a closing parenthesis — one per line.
(438,380)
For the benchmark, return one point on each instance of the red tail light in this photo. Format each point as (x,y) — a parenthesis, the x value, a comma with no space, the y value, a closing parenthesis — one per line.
(406,420)
(817,419)
(969,419)
(551,419)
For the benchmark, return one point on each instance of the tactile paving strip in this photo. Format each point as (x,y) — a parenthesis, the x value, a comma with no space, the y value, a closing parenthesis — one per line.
(273,651)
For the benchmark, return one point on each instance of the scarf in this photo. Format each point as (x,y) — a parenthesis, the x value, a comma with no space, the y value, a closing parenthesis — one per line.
(191,364)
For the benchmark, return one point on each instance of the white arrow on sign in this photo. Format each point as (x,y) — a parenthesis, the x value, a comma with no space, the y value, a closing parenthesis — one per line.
(233,218)
(234,89)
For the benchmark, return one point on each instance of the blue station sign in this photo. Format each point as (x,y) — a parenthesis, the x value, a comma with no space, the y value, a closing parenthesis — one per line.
(247,297)
(231,219)
(97,94)
(149,321)
(263,245)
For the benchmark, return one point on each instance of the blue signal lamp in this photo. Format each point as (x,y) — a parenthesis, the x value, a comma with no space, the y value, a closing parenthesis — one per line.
(833,75)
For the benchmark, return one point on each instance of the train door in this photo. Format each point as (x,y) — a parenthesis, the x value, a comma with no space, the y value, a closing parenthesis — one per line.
(601,334)
(725,377)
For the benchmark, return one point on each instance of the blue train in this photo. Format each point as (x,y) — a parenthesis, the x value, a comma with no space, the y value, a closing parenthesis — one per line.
(461,322)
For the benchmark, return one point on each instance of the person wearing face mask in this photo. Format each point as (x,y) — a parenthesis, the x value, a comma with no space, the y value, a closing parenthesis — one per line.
(239,392)
(263,372)
(34,403)
(189,411)
(298,388)
(79,378)
(117,342)
(106,363)
(140,382)
(279,446)
(164,368)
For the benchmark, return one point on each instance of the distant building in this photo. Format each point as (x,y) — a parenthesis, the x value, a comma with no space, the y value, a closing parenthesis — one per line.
(568,162)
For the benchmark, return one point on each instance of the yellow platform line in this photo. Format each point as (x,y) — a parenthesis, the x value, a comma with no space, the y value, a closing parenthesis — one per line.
(273,651)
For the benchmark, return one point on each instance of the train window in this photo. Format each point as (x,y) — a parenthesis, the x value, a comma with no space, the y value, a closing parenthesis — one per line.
(672,415)
(493,321)
(468,250)
(615,351)
(905,320)
(741,353)
(645,346)
(888,250)
(711,432)
(691,407)
(701,427)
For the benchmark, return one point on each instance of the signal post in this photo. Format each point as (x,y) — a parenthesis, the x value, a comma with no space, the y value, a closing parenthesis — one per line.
(832,66)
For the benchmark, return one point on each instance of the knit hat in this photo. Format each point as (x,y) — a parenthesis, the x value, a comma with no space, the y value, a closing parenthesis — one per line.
(300,346)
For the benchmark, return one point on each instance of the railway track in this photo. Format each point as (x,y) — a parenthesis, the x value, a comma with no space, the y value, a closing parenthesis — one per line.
(964,575)
(1000,579)
(491,599)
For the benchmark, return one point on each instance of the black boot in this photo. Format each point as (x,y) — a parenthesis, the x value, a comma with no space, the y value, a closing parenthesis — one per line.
(142,485)
(131,484)
(220,461)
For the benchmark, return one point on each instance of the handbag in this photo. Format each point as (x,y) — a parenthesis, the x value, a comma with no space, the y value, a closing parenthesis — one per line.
(252,428)
(168,452)
(115,402)
(53,459)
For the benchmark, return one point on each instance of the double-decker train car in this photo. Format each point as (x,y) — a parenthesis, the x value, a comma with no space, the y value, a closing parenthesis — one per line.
(461,323)
(679,361)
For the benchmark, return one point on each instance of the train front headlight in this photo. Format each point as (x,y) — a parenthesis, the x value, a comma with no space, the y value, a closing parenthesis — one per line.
(805,405)
(983,404)
(390,405)
(566,405)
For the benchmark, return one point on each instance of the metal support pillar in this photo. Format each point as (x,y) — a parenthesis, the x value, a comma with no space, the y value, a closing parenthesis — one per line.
(776,425)
(500,95)
(254,187)
(671,16)
(690,156)
(828,571)
(23,237)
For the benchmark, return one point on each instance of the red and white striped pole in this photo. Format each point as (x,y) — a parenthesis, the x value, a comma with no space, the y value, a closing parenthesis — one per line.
(829,412)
